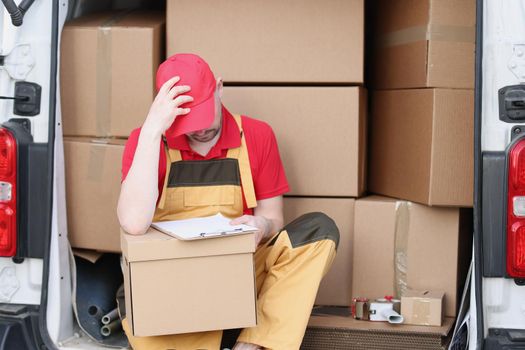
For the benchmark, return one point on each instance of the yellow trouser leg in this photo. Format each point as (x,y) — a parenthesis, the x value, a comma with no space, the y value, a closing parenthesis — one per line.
(189,341)
(289,269)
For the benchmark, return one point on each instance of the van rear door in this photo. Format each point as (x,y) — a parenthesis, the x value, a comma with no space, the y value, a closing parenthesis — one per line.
(35,305)
(499,279)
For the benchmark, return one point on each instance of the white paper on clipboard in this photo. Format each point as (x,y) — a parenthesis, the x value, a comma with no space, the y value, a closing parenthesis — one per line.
(199,228)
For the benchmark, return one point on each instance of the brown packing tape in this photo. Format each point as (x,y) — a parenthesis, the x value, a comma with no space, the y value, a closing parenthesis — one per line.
(401,248)
(103,79)
(430,32)
(162,200)
(103,107)
(97,155)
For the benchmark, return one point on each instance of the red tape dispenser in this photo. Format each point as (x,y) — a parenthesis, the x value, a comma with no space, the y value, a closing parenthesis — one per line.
(359,308)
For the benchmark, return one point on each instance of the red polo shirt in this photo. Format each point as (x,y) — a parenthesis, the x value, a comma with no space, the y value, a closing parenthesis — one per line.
(268,175)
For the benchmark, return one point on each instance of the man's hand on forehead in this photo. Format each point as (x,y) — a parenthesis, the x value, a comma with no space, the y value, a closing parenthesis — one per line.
(167,106)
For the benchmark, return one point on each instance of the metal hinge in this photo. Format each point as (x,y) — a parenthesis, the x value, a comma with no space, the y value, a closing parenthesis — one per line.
(19,62)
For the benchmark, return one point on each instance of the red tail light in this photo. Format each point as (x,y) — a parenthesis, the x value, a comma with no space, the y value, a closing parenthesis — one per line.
(8,223)
(7,156)
(516,211)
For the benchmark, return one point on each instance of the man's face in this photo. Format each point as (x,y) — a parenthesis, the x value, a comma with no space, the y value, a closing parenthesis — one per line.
(206,135)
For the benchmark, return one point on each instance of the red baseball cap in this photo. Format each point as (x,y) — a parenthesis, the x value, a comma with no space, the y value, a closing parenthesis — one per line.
(196,73)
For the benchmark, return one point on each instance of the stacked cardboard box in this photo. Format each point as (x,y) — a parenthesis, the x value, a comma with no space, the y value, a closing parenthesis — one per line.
(92,190)
(288,70)
(421,146)
(108,64)
(272,41)
(421,150)
(313,137)
(422,43)
(400,245)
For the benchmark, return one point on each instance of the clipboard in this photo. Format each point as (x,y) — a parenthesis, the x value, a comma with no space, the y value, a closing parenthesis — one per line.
(202,228)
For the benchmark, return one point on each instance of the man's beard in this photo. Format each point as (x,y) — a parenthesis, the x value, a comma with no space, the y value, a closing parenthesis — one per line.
(209,134)
(205,137)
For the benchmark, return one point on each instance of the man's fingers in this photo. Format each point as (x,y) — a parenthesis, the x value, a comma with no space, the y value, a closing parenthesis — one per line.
(177,90)
(169,84)
(237,221)
(183,111)
(182,99)
(240,220)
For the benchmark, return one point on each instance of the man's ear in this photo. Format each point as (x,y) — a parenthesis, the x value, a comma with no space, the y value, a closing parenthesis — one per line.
(219,86)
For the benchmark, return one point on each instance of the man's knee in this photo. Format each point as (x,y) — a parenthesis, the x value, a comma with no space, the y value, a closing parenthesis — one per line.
(310,228)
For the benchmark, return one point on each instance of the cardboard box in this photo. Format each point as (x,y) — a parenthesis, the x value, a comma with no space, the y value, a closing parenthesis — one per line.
(423,43)
(422,146)
(422,307)
(400,245)
(175,286)
(341,333)
(107,77)
(300,41)
(314,137)
(92,170)
(336,287)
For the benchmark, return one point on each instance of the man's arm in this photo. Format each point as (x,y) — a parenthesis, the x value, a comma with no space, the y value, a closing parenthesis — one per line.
(268,218)
(139,191)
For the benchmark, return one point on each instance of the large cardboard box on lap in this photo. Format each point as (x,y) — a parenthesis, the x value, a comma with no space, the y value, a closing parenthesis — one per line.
(318,129)
(108,65)
(421,147)
(174,286)
(423,43)
(336,286)
(92,171)
(272,41)
(400,245)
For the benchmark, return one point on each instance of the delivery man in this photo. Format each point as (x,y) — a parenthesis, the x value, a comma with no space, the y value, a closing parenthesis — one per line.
(176,166)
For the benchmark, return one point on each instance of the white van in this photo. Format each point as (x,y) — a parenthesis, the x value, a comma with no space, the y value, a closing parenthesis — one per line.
(35,279)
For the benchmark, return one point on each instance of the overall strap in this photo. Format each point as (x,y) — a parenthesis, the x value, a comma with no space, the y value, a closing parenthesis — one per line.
(241,154)
(172,155)
(162,199)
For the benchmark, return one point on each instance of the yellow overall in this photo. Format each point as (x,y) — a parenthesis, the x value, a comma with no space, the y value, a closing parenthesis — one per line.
(289,266)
